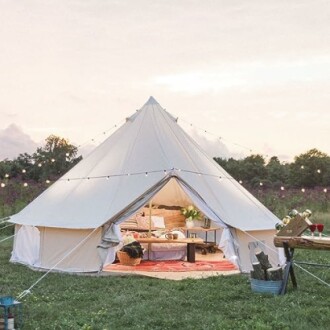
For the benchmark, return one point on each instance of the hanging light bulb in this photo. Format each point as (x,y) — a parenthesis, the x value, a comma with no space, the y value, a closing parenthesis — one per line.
(240,181)
(3,185)
(302,167)
(146,173)
(39,165)
(318,171)
(52,160)
(25,184)
(325,190)
(23,170)
(303,190)
(47,181)
(261,184)
(7,175)
(282,188)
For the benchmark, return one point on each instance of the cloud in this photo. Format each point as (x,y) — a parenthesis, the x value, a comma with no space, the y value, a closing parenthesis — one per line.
(14,141)
(213,147)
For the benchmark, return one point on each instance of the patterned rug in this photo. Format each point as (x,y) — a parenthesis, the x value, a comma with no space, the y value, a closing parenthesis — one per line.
(173,266)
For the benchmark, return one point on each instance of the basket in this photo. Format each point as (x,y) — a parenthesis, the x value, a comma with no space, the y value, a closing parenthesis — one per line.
(126,260)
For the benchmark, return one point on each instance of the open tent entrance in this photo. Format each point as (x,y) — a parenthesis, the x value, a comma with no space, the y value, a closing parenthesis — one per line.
(171,197)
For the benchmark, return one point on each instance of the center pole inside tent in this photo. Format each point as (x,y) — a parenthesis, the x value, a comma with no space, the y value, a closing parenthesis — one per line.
(150,206)
(149,233)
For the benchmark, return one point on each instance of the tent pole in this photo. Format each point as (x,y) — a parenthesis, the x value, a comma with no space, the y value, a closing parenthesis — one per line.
(150,205)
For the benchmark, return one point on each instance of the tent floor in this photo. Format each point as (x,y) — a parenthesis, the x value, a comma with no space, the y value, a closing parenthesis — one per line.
(177,276)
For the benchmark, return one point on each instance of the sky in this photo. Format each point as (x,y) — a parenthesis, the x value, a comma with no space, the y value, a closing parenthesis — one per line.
(242,76)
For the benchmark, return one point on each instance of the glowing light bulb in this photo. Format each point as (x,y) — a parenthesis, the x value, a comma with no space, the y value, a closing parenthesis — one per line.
(240,181)
(23,170)
(302,167)
(325,190)
(6,175)
(39,165)
(3,185)
(303,190)
(261,184)
(282,188)
(318,171)
(25,184)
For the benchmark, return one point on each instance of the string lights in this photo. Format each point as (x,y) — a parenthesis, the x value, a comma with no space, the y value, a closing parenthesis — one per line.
(146,174)
(165,171)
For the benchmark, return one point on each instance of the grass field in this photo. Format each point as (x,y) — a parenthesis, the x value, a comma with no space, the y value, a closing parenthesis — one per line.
(62,301)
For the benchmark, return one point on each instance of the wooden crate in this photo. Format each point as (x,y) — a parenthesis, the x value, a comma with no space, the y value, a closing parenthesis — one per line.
(295,227)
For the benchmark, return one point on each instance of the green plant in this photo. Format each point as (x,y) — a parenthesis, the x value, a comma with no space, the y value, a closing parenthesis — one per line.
(190,212)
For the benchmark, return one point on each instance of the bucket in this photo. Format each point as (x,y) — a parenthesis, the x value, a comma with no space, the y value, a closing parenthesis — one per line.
(10,324)
(6,300)
(273,287)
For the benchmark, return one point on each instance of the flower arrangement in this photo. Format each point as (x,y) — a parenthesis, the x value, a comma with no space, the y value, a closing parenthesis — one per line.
(190,212)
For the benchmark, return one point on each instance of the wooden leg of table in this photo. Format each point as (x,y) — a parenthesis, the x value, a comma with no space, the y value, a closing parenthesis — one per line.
(191,249)
(288,269)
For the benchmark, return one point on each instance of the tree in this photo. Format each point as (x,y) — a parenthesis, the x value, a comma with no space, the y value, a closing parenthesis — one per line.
(277,173)
(232,166)
(55,158)
(253,169)
(310,169)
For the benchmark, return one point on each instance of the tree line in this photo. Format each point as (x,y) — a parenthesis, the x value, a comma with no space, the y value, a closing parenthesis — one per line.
(308,170)
(57,156)
(47,163)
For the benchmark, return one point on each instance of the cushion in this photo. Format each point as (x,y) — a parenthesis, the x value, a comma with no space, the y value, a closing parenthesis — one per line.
(129,223)
(158,222)
(143,223)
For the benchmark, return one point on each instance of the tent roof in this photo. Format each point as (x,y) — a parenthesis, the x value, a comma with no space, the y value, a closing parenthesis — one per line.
(135,158)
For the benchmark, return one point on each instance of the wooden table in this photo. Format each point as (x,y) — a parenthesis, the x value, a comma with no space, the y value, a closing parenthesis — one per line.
(289,243)
(206,246)
(191,244)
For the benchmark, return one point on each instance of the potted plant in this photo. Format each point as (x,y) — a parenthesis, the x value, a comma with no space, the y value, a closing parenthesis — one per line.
(191,214)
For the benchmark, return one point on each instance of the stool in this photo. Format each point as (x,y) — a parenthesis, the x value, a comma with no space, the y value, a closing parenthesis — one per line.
(12,309)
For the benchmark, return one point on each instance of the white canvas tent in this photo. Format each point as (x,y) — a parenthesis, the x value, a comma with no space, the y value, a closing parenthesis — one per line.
(73,225)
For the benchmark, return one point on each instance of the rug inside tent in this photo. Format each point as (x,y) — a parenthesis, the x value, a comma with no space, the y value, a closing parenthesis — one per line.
(173,266)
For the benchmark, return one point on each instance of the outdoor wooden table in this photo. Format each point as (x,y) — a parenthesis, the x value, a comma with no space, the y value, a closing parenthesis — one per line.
(302,242)
(191,244)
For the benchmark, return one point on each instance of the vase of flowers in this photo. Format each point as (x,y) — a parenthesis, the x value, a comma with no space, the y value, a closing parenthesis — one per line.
(191,214)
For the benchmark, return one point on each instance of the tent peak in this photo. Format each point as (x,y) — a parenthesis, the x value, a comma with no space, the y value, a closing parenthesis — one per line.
(151,101)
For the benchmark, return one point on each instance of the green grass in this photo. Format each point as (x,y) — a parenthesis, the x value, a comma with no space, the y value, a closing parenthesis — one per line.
(62,301)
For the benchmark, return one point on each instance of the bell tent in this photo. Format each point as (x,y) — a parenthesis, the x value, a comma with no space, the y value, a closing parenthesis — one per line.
(73,226)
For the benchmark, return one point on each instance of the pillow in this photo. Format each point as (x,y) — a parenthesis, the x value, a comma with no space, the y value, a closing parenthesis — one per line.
(143,223)
(158,222)
(129,223)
